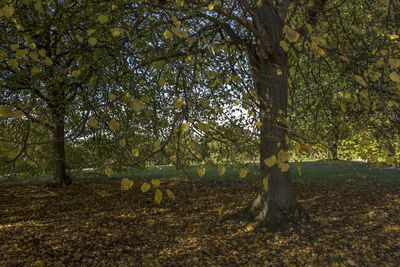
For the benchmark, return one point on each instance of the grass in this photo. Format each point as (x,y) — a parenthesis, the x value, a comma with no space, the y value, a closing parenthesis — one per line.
(316,172)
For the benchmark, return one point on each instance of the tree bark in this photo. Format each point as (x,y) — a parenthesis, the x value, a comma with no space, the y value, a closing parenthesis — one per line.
(60,177)
(275,208)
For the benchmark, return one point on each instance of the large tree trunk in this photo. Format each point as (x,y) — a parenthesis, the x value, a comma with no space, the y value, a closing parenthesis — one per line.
(60,177)
(275,208)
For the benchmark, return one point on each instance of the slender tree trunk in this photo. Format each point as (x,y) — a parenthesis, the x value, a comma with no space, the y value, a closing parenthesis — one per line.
(275,208)
(60,177)
(334,149)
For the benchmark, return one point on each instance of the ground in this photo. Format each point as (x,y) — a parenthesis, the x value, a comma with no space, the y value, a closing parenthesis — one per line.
(93,223)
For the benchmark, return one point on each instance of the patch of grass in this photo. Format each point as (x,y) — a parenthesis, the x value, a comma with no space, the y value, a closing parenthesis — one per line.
(315,172)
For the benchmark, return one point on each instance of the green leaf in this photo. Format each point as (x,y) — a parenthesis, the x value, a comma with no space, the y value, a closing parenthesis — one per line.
(5,112)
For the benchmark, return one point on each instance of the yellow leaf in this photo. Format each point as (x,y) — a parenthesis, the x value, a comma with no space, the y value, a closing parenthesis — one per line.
(297,146)
(265,183)
(158,196)
(155,182)
(115,32)
(167,34)
(394,63)
(113,124)
(298,168)
(244,156)
(126,184)
(35,70)
(102,18)
(258,123)
(284,45)
(14,47)
(38,5)
(79,38)
(283,155)
(270,161)
(76,73)
(170,194)
(13,63)
(5,112)
(8,11)
(199,156)
(360,80)
(18,114)
(136,105)
(185,127)
(33,56)
(108,171)
(173,158)
(243,172)
(394,76)
(309,28)
(145,187)
(161,82)
(92,122)
(259,3)
(135,152)
(42,52)
(391,103)
(291,34)
(178,103)
(220,211)
(201,171)
(157,145)
(92,41)
(284,167)
(221,170)
(122,142)
(342,106)
(90,31)
(48,61)
(211,6)
(21,52)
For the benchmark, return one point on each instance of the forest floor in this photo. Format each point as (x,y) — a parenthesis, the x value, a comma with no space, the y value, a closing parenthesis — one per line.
(95,223)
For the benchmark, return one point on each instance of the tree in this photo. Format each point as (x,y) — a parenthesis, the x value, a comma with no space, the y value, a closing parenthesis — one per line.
(259,34)
(60,60)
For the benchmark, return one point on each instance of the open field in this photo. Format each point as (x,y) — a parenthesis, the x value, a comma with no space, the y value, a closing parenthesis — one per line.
(354,215)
